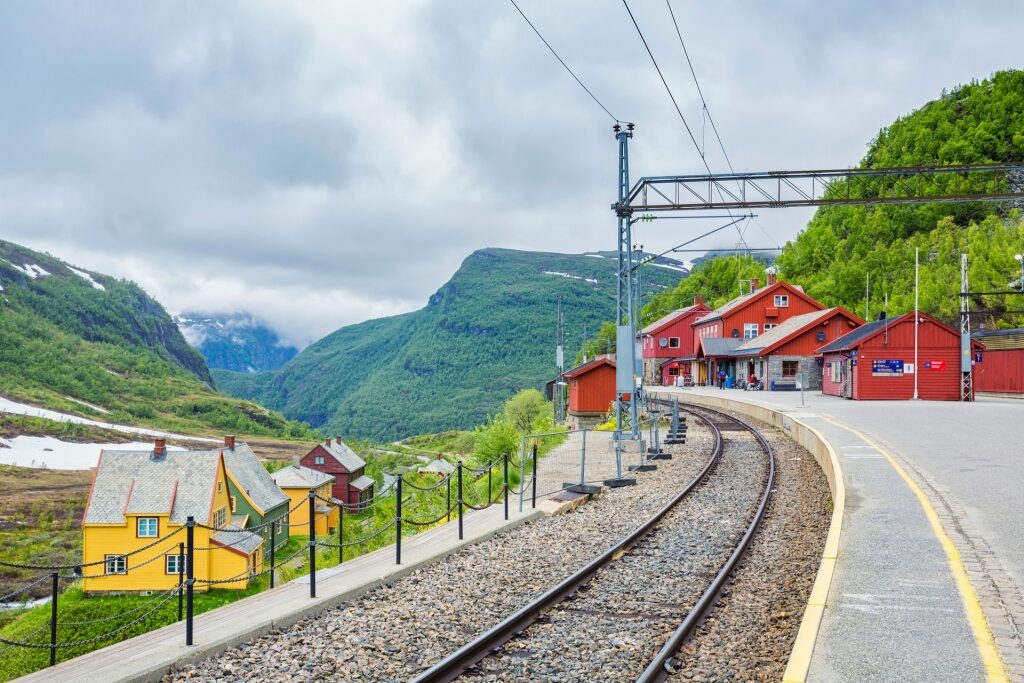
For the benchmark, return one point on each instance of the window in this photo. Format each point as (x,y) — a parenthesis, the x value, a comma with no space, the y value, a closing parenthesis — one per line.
(749,330)
(790,368)
(673,342)
(837,372)
(220,518)
(116,564)
(782,300)
(673,372)
(173,565)
(220,486)
(234,503)
(147,527)
(318,460)
(768,326)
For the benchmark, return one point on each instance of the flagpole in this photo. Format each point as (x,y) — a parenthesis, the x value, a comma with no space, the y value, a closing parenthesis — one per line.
(917,314)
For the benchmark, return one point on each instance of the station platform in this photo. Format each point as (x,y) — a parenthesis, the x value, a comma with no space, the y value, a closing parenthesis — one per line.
(930,561)
(149,656)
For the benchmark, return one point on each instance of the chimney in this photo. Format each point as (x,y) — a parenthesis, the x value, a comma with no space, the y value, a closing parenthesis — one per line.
(229,442)
(159,447)
(881,315)
(771,278)
(295,461)
(698,300)
(755,284)
(328,442)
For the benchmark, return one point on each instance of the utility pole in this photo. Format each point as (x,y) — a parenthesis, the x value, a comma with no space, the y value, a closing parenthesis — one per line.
(625,325)
(556,395)
(917,313)
(966,378)
(867,296)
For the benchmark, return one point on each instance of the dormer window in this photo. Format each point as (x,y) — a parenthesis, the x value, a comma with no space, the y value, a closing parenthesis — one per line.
(147,527)
(781,300)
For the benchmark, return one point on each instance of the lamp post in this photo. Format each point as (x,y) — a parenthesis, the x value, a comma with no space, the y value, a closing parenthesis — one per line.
(1020,260)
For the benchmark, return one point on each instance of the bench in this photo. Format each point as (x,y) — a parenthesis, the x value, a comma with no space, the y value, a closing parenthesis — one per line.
(784,385)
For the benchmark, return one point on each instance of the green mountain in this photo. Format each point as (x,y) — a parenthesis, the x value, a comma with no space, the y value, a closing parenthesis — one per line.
(234,341)
(487,333)
(843,245)
(90,344)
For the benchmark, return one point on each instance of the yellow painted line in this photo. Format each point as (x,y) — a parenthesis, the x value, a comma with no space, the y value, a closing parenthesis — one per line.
(995,670)
(807,636)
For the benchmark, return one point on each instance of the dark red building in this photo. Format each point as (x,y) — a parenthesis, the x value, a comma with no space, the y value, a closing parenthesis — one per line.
(876,361)
(334,457)
(667,344)
(591,391)
(1001,370)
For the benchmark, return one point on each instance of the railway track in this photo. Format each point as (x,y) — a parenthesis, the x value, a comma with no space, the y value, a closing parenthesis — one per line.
(649,590)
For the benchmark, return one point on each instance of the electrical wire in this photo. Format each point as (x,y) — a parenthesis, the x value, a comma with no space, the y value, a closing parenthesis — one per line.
(566,66)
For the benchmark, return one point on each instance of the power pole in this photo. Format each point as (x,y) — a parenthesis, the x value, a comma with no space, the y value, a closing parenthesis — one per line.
(556,395)
(966,379)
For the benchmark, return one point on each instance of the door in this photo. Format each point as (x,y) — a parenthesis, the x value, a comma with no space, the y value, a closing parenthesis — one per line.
(847,379)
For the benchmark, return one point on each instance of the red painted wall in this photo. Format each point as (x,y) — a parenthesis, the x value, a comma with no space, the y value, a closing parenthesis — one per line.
(681,328)
(806,343)
(593,391)
(1000,370)
(935,343)
(828,387)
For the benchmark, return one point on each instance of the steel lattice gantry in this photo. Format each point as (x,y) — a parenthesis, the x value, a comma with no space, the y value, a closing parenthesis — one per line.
(776,189)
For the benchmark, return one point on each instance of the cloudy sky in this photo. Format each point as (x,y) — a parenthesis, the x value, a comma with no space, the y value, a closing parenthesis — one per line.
(321,163)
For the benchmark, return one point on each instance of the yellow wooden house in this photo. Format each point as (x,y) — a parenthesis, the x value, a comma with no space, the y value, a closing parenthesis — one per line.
(144,498)
(297,481)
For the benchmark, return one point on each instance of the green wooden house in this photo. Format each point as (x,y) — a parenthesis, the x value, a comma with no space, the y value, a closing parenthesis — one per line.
(255,498)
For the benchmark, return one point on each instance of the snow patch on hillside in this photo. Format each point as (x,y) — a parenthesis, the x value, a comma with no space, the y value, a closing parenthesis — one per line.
(46,452)
(88,278)
(570,276)
(680,269)
(30,269)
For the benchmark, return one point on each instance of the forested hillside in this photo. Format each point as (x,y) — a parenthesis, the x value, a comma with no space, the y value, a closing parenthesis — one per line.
(842,245)
(487,333)
(90,344)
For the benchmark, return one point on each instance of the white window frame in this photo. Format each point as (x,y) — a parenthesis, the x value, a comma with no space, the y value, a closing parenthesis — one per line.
(111,563)
(220,515)
(796,373)
(673,342)
(138,527)
(768,326)
(748,328)
(318,460)
(782,301)
(174,557)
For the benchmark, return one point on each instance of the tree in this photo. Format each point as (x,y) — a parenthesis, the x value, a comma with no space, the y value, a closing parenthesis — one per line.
(525,410)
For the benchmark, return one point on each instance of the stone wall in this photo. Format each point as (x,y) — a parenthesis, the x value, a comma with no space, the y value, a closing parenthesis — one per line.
(808,366)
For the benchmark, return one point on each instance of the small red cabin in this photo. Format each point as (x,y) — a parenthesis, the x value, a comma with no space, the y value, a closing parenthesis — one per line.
(591,391)
(334,457)
(876,361)
(1001,370)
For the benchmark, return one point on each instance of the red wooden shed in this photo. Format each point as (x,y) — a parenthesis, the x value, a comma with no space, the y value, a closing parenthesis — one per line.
(876,361)
(591,391)
(351,484)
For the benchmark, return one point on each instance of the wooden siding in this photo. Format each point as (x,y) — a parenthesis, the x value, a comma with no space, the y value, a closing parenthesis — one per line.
(807,342)
(331,466)
(760,309)
(828,387)
(1000,370)
(935,343)
(593,391)
(681,327)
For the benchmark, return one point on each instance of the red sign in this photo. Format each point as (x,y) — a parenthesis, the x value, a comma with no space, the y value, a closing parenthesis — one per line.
(935,364)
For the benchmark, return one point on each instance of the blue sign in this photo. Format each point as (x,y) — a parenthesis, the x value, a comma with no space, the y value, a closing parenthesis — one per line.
(887,368)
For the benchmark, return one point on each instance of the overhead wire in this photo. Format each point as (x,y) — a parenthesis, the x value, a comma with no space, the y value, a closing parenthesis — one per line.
(564,65)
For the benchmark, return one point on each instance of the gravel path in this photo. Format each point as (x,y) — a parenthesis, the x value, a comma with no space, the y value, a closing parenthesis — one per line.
(394,632)
(613,630)
(750,634)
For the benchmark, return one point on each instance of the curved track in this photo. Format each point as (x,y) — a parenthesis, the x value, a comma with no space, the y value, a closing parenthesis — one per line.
(469,659)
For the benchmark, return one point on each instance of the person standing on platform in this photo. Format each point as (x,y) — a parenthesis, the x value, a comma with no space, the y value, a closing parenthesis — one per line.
(721,378)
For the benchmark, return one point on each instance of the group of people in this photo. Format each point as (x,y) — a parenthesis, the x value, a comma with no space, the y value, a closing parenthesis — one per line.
(752,381)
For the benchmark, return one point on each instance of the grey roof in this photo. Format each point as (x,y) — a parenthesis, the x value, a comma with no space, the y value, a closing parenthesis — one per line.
(239,541)
(179,483)
(345,456)
(585,367)
(740,300)
(439,466)
(252,476)
(780,332)
(719,346)
(666,319)
(852,338)
(299,477)
(362,483)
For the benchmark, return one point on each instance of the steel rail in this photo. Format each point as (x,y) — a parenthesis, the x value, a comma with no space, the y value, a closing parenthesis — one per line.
(479,648)
(658,669)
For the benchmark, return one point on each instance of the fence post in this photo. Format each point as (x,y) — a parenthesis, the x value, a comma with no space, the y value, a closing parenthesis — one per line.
(458,470)
(504,458)
(583,459)
(181,578)
(341,533)
(190,569)
(448,480)
(398,521)
(312,543)
(490,492)
(273,549)
(54,588)
(522,474)
(533,480)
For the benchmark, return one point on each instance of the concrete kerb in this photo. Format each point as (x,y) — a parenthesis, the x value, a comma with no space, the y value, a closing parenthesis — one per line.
(825,455)
(144,667)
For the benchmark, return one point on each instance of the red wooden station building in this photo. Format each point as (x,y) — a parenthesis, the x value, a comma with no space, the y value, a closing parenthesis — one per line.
(1001,370)
(876,361)
(334,457)
(667,344)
